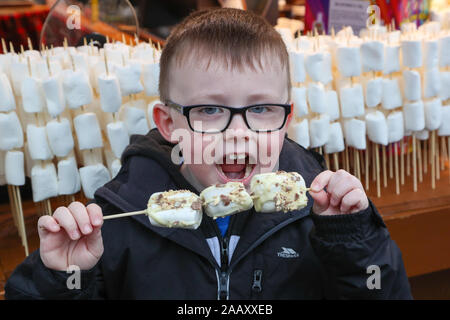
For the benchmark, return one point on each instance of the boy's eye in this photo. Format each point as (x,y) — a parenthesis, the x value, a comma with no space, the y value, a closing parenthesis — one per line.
(209,110)
(258,109)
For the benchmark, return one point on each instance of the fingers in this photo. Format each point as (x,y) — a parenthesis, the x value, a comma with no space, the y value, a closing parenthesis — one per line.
(76,219)
(321,181)
(81,216)
(354,201)
(95,215)
(340,184)
(47,224)
(64,218)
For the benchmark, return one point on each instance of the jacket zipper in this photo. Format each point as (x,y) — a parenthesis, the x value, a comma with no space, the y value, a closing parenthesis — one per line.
(224,277)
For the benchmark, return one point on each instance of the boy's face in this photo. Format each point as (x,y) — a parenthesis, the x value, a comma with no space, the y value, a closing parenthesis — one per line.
(238,153)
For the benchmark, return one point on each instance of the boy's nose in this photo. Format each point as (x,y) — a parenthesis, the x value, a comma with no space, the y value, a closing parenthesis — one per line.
(238,128)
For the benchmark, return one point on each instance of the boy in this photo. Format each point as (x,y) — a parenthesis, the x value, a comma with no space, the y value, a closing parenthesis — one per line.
(213,60)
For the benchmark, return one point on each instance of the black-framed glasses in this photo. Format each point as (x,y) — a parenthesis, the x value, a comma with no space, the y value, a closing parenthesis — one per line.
(211,118)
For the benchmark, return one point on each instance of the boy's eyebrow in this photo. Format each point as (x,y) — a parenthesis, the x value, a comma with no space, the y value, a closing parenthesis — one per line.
(221,98)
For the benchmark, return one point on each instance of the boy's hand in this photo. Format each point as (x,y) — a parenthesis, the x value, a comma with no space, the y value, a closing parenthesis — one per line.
(72,236)
(344,193)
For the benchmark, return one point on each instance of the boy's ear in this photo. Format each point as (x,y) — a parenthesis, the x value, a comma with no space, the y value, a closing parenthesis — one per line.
(164,121)
(290,116)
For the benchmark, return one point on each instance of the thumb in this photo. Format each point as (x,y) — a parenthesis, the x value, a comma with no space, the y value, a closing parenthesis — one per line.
(321,201)
(94,242)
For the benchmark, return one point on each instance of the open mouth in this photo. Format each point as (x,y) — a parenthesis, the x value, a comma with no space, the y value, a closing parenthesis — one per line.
(236,169)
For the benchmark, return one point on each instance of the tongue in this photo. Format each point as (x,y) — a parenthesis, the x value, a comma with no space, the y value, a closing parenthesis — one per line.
(226,168)
(234,171)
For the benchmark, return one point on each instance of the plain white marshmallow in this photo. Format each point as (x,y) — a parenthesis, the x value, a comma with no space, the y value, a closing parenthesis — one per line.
(7,101)
(317,97)
(150,77)
(38,145)
(11,134)
(414,115)
(374,92)
(377,128)
(335,141)
(433,114)
(396,127)
(129,78)
(445,85)
(431,83)
(60,137)
(77,89)
(444,129)
(136,121)
(88,131)
(92,178)
(54,96)
(349,61)
(392,97)
(355,133)
(301,133)
(352,101)
(109,91)
(411,85)
(44,182)
(33,99)
(318,66)
(431,53)
(118,137)
(372,56)
(15,168)
(319,130)
(444,49)
(412,53)
(299,100)
(422,135)
(391,59)
(332,105)
(297,60)
(68,177)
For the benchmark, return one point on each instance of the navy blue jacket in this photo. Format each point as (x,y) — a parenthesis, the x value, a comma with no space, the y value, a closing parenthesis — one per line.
(295,255)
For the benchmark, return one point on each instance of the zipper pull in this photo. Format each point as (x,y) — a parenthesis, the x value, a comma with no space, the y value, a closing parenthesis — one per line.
(224,253)
(257,281)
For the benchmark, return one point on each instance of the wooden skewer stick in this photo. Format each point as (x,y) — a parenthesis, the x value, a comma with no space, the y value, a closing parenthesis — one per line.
(402,162)
(367,166)
(444,153)
(18,200)
(383,150)
(347,160)
(30,44)
(4,47)
(433,162)
(425,156)
(448,149)
(414,162)
(408,160)
(121,215)
(377,157)
(438,170)
(397,183)
(336,161)
(419,158)
(391,158)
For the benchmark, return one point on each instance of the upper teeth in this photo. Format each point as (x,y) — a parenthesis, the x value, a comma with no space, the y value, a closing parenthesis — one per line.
(237,156)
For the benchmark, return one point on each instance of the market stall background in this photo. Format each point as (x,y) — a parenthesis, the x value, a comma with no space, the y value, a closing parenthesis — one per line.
(415,210)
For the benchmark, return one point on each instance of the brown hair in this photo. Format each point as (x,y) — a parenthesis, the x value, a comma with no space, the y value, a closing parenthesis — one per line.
(237,38)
